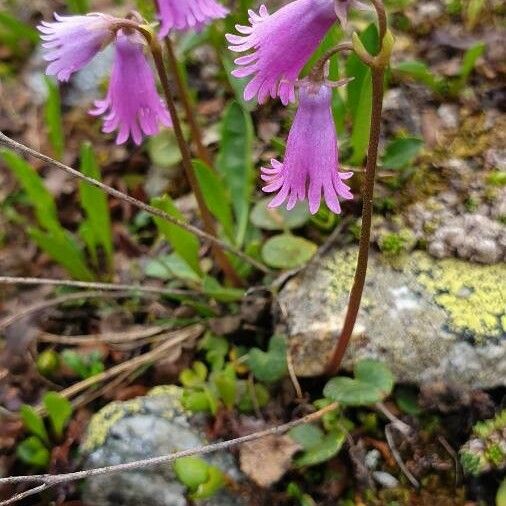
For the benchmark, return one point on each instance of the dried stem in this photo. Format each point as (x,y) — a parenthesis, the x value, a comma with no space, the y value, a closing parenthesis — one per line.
(209,223)
(10,280)
(25,150)
(377,73)
(184,96)
(48,480)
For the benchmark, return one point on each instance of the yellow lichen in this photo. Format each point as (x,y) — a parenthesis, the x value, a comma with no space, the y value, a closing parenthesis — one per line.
(474,296)
(102,422)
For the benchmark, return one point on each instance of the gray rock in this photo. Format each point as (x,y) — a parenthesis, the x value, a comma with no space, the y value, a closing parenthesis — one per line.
(428,319)
(140,428)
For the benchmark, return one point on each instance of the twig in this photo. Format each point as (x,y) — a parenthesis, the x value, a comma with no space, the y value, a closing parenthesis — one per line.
(396,422)
(11,280)
(453,455)
(27,493)
(48,480)
(178,337)
(25,150)
(293,376)
(398,458)
(46,304)
(111,337)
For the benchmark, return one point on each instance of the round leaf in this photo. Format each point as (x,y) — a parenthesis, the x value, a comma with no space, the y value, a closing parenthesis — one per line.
(352,392)
(191,471)
(325,450)
(279,218)
(287,251)
(376,374)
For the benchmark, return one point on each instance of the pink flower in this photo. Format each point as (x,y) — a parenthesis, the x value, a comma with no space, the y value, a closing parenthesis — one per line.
(281,45)
(311,163)
(132,104)
(72,41)
(188,14)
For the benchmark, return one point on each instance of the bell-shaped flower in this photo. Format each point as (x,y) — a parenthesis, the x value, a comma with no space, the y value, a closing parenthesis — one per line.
(280,45)
(311,166)
(132,104)
(188,14)
(71,42)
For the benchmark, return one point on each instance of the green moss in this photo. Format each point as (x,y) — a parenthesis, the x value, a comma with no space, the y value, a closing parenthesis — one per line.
(497,178)
(472,295)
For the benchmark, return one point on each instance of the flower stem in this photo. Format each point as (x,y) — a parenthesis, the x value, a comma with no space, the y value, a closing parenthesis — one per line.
(209,224)
(184,96)
(377,73)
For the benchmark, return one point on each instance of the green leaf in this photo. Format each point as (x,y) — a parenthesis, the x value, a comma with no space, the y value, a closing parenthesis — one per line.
(195,376)
(407,399)
(183,242)
(215,482)
(32,452)
(214,289)
(419,71)
(307,435)
(196,401)
(63,249)
(38,195)
(216,350)
(500,499)
(279,218)
(246,402)
(269,366)
(191,471)
(13,32)
(169,267)
(352,392)
(234,163)
(163,149)
(469,60)
(237,84)
(401,152)
(94,202)
(79,6)
(376,374)
(362,123)
(53,119)
(287,251)
(327,448)
(59,411)
(216,196)
(226,384)
(359,71)
(33,422)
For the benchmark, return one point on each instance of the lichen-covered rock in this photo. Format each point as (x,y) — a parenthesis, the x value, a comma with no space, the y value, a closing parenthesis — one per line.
(486,449)
(428,319)
(140,428)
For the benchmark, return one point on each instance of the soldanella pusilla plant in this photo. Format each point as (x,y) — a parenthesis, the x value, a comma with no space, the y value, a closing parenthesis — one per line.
(272,52)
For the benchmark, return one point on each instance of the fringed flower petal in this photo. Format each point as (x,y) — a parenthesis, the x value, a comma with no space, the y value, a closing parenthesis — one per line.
(280,45)
(188,14)
(71,42)
(132,105)
(311,166)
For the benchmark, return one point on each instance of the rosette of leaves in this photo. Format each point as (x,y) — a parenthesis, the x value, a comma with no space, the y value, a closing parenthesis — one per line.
(486,449)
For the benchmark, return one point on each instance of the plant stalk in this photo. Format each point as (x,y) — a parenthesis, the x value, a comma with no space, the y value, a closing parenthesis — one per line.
(209,225)
(184,96)
(377,74)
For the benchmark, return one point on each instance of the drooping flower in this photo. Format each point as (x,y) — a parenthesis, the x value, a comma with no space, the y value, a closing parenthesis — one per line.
(311,165)
(71,42)
(188,14)
(132,104)
(281,45)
